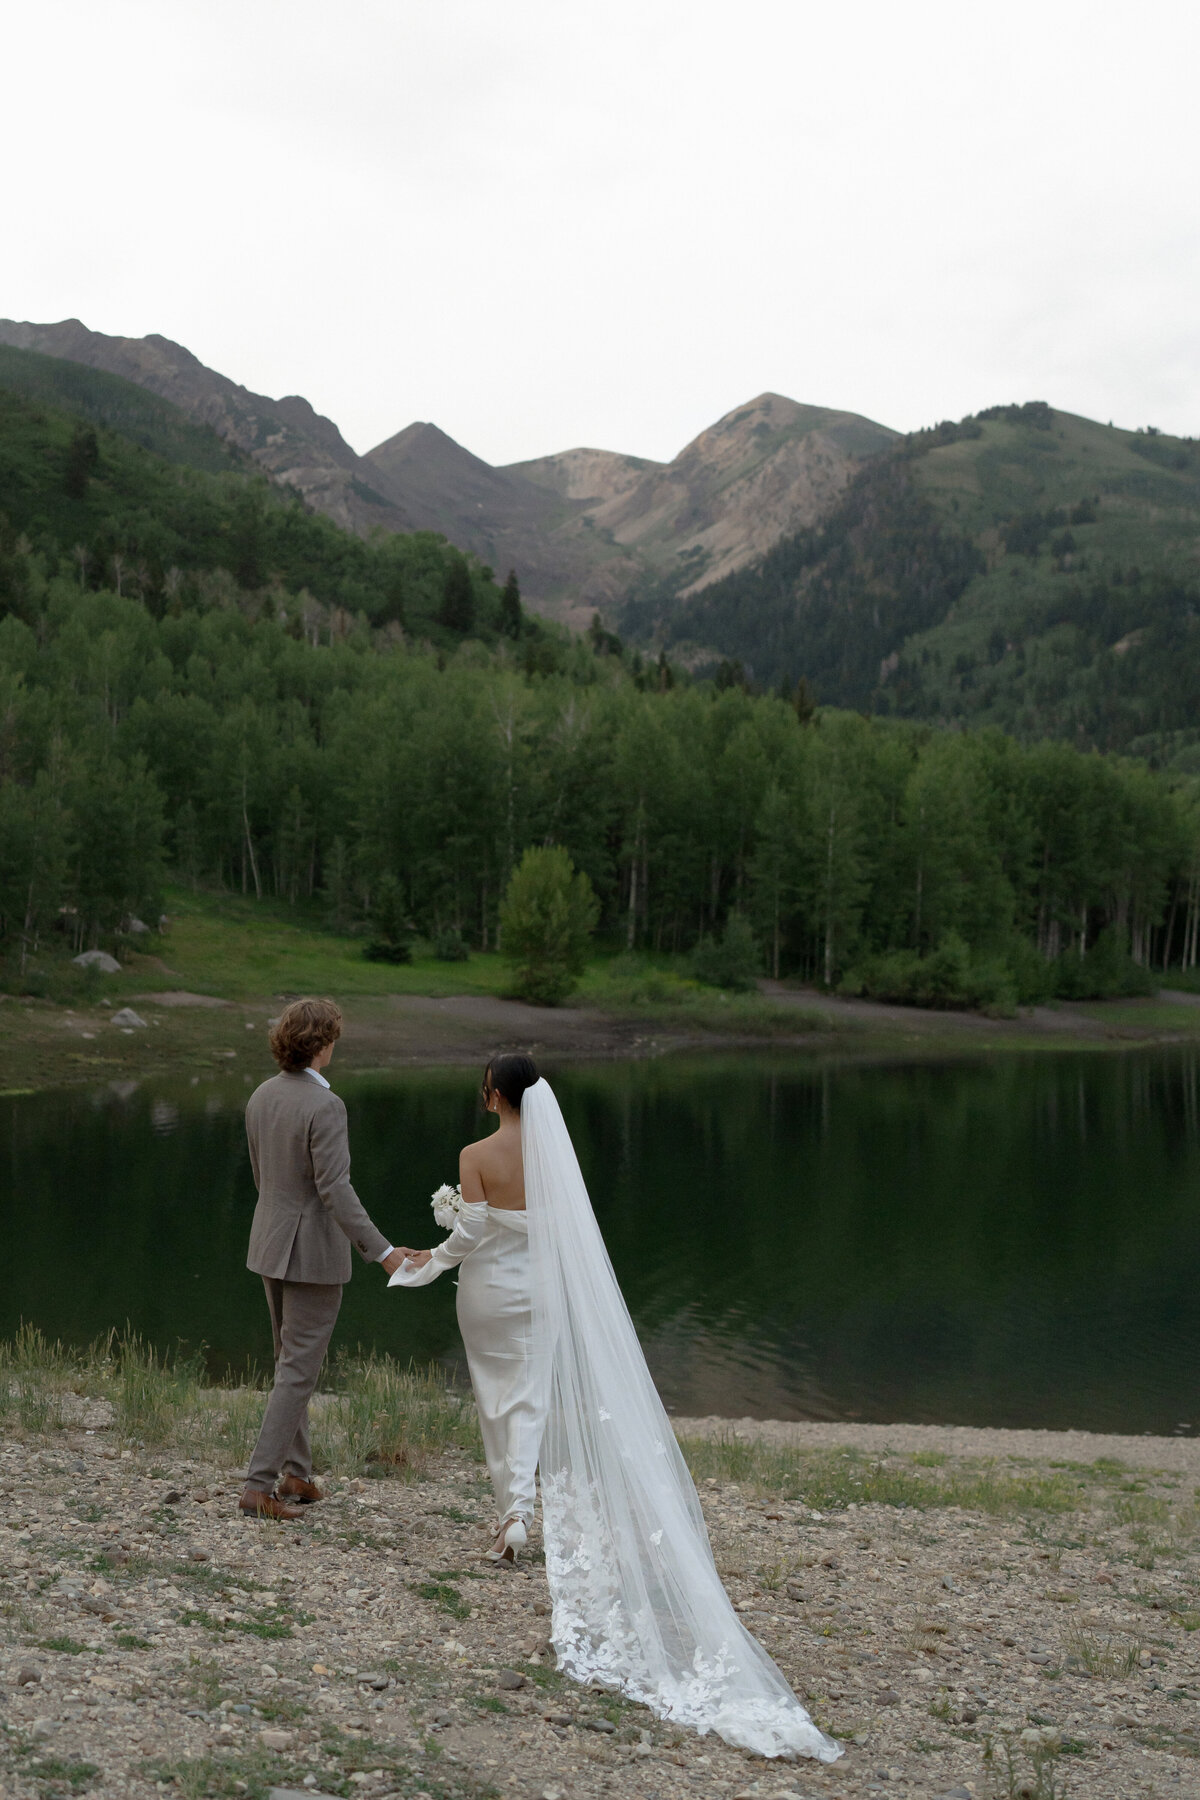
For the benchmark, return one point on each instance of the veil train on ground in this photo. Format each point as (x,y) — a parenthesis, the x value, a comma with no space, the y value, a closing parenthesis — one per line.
(637,1604)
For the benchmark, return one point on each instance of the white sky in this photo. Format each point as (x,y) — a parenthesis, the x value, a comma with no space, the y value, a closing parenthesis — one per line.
(541,224)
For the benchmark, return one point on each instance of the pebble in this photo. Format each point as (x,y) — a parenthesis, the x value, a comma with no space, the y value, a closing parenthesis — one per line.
(277,1740)
(27,1675)
(511,1681)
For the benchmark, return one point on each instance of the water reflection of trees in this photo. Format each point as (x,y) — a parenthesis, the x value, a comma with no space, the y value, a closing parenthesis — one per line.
(1013,1239)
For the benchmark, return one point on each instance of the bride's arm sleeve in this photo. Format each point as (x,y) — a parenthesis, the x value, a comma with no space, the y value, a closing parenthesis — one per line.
(468,1230)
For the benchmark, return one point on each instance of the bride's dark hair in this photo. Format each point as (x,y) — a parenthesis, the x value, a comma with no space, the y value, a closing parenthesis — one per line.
(509,1076)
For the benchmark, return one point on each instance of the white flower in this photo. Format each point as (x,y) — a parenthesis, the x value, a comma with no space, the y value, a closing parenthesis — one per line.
(447,1203)
(604,1416)
(656,1537)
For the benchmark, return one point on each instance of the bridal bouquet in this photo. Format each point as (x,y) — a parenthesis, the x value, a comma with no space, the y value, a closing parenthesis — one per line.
(447,1204)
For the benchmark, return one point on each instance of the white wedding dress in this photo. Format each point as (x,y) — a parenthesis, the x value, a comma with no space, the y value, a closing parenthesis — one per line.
(491,1247)
(559,1377)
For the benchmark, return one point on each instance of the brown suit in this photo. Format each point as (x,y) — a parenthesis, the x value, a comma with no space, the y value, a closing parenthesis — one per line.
(306,1219)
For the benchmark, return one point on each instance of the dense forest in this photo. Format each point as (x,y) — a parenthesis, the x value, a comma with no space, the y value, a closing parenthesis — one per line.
(201,680)
(1021,568)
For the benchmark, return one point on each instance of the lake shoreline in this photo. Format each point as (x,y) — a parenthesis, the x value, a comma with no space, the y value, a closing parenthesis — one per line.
(179,1031)
(1180,1455)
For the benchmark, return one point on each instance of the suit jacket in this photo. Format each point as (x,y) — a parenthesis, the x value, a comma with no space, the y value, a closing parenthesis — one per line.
(308,1214)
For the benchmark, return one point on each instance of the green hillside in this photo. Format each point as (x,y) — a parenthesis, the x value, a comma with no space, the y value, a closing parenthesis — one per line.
(104,481)
(120,406)
(1024,568)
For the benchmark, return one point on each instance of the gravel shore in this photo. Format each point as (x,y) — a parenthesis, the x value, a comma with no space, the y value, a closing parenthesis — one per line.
(1179,1455)
(155,1641)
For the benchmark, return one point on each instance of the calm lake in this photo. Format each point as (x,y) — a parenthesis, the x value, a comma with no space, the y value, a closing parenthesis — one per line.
(1010,1242)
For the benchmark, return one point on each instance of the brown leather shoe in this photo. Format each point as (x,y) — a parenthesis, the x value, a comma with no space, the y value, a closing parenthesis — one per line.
(304,1493)
(265,1506)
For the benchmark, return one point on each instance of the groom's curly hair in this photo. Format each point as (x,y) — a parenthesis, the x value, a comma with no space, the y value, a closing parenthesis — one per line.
(302,1031)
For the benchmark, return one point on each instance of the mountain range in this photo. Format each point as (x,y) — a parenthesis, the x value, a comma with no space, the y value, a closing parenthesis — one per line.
(1023,567)
(584,529)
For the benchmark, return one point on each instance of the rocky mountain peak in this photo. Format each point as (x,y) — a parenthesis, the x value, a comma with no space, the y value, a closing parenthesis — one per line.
(581,527)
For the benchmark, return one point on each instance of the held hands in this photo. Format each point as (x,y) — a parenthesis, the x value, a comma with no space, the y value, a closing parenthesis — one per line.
(417,1258)
(392,1261)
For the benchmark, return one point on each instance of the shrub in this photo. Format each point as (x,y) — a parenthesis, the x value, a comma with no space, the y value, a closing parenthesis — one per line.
(1032,976)
(378,950)
(449,945)
(733,961)
(946,979)
(1107,972)
(547,918)
(634,980)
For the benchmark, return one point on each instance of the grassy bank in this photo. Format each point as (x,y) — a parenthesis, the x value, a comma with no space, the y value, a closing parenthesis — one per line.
(377,1419)
(205,990)
(373,1417)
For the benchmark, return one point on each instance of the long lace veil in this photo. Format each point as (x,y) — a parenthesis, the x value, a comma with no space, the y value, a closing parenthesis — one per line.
(637,1601)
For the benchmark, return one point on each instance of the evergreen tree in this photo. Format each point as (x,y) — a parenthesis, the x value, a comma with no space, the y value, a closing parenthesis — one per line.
(83,454)
(774,869)
(510,606)
(392,938)
(546,922)
(457,612)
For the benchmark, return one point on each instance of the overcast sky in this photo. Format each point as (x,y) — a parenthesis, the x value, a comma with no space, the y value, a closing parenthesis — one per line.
(541,224)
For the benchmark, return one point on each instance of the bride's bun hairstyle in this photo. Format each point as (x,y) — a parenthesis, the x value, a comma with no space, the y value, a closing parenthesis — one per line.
(509,1076)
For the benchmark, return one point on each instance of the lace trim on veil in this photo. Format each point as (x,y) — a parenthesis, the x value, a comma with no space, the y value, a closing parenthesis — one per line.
(637,1603)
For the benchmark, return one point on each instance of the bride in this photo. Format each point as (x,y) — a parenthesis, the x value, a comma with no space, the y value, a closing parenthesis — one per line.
(560,1381)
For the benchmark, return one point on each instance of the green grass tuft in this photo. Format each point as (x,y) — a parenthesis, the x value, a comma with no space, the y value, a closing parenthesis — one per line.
(829,1481)
(446,1598)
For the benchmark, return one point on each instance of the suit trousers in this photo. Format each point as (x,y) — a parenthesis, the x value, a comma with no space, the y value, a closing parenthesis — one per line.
(303,1314)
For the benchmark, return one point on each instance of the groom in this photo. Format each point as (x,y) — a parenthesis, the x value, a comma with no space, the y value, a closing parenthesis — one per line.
(307,1217)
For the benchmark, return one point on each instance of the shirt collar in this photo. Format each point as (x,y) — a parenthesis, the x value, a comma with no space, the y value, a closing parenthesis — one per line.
(317,1076)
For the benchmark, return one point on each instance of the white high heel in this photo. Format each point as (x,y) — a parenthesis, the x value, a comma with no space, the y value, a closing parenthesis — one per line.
(515,1539)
